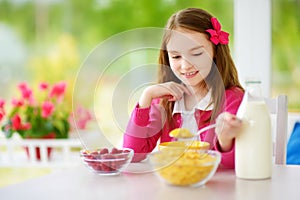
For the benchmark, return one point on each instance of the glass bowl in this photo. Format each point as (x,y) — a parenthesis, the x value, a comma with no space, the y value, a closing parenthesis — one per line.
(107,161)
(187,168)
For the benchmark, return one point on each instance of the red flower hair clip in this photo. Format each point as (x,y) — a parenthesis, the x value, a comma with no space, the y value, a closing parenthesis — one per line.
(217,35)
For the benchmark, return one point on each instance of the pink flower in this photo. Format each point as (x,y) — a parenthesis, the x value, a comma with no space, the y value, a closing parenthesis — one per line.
(17,123)
(44,86)
(81,124)
(217,35)
(47,109)
(2,102)
(25,90)
(81,117)
(58,90)
(2,113)
(17,102)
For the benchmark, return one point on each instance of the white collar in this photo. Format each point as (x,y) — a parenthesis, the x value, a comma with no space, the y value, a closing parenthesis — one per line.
(179,106)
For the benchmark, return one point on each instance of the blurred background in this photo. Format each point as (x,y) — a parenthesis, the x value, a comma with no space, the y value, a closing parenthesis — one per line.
(49,39)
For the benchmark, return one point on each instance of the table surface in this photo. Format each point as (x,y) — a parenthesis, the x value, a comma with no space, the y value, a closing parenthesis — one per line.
(138,183)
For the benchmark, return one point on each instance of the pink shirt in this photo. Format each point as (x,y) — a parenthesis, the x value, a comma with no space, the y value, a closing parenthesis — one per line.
(147,127)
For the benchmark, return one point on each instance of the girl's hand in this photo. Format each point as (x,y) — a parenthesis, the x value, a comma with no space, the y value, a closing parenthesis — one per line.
(227,128)
(173,91)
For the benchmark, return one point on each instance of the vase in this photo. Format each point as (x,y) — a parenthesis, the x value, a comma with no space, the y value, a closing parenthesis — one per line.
(38,150)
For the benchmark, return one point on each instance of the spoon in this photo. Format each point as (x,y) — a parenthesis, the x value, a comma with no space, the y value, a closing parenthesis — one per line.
(185,133)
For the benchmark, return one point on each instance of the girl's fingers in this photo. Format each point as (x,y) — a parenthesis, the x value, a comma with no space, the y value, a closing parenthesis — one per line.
(232,120)
(226,123)
(179,90)
(173,91)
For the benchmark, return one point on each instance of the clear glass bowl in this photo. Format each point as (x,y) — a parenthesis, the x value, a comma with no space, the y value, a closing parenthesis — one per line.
(185,168)
(107,161)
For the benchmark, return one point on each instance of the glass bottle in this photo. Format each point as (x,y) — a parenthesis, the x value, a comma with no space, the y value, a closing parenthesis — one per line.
(253,145)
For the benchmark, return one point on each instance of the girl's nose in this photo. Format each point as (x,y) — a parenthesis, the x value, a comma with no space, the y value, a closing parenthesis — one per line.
(185,64)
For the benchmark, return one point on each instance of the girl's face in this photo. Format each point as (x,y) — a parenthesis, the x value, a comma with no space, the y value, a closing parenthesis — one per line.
(190,55)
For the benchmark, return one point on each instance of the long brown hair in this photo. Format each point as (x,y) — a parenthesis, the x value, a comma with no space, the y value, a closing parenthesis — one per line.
(223,74)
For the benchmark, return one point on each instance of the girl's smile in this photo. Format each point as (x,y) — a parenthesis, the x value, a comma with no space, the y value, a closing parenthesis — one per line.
(189,75)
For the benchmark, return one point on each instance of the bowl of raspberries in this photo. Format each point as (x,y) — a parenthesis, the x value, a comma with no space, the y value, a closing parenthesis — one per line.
(107,161)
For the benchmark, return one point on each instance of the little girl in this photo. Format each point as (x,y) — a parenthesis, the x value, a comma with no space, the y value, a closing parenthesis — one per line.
(197,85)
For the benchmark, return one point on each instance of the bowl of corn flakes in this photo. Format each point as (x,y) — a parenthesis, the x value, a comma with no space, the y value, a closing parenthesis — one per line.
(184,145)
(185,168)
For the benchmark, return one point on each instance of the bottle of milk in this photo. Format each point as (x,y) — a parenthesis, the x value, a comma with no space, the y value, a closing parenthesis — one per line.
(253,145)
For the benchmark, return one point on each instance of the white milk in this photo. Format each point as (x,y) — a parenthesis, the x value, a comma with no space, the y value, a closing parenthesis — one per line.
(253,145)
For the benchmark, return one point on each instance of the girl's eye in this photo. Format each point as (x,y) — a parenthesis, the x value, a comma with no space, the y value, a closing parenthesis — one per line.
(198,54)
(176,57)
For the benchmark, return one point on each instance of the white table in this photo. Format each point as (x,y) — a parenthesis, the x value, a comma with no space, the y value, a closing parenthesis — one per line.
(79,183)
